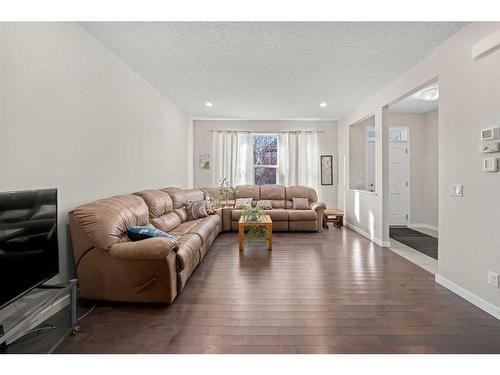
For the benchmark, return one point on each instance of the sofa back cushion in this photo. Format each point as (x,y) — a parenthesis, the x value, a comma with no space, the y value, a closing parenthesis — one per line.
(265,204)
(159,203)
(213,192)
(274,193)
(247,191)
(195,210)
(299,192)
(161,209)
(180,197)
(105,222)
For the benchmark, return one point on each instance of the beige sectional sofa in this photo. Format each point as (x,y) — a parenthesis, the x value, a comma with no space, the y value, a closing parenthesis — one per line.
(112,267)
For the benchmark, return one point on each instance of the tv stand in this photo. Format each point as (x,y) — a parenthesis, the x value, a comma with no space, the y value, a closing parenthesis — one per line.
(20,320)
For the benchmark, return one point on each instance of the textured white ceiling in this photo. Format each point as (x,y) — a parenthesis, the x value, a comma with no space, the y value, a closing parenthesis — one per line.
(271,70)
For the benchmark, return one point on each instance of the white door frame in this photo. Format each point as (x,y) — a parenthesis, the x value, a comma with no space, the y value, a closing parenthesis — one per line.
(408,169)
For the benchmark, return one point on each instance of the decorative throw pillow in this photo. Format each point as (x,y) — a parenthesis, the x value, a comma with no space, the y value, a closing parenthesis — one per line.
(265,204)
(300,203)
(196,210)
(242,203)
(137,233)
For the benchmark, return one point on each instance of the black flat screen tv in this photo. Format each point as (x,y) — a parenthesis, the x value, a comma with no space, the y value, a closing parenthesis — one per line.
(28,241)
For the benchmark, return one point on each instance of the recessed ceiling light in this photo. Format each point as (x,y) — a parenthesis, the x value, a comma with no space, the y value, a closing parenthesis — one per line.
(208,104)
(428,94)
(323,104)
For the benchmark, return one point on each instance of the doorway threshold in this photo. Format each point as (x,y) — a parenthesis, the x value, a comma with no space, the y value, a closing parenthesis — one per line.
(424,261)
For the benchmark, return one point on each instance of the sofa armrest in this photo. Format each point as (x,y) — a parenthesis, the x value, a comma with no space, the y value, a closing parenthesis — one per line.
(317,206)
(151,248)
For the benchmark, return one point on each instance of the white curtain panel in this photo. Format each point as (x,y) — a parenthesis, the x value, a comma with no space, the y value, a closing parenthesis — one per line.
(307,159)
(224,144)
(298,159)
(232,157)
(283,159)
(244,164)
(287,159)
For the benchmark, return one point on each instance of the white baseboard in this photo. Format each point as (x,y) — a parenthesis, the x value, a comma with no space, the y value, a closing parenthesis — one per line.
(472,298)
(367,235)
(423,225)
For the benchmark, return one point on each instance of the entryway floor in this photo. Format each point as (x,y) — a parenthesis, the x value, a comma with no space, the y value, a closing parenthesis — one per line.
(417,240)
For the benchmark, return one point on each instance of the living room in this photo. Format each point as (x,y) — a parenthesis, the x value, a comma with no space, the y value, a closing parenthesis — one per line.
(226,187)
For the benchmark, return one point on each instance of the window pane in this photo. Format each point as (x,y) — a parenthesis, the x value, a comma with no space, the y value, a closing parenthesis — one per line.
(370,135)
(265,176)
(265,150)
(395,135)
(398,135)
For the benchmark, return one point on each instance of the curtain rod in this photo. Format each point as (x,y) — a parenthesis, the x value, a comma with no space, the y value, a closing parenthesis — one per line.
(266,131)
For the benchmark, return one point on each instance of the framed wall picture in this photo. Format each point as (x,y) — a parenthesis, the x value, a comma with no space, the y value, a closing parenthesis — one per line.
(326,169)
(204,161)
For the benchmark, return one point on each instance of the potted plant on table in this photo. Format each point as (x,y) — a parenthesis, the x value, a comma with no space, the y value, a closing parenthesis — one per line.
(255,232)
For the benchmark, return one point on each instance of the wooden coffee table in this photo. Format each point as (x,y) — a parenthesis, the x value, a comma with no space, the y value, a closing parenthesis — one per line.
(265,221)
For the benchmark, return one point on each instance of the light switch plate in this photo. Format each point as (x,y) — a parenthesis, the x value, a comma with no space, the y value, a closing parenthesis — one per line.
(456,190)
(490,147)
(490,165)
(493,279)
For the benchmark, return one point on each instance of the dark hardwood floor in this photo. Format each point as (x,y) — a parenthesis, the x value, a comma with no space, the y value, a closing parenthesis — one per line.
(329,292)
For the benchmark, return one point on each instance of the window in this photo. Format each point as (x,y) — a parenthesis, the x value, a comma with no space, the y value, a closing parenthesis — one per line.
(398,135)
(370,134)
(265,159)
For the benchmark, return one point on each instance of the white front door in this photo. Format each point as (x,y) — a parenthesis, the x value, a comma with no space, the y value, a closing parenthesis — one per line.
(398,176)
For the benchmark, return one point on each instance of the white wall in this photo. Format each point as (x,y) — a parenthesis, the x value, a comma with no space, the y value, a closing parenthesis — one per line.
(327,144)
(424,184)
(361,158)
(428,213)
(77,118)
(469,243)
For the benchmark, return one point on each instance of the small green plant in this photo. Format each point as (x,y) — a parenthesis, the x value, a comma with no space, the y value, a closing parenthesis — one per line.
(254,214)
(255,232)
(224,189)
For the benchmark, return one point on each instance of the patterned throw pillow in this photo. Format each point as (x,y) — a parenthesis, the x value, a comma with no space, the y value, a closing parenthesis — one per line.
(137,233)
(300,203)
(242,203)
(265,204)
(196,210)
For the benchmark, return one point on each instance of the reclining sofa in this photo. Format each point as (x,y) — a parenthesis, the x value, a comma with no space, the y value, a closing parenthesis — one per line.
(111,267)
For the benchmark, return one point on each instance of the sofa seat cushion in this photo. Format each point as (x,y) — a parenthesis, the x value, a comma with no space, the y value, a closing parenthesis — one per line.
(184,228)
(302,215)
(206,227)
(188,254)
(275,214)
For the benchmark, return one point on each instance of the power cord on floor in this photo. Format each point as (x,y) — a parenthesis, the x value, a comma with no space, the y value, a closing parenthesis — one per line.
(87,313)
